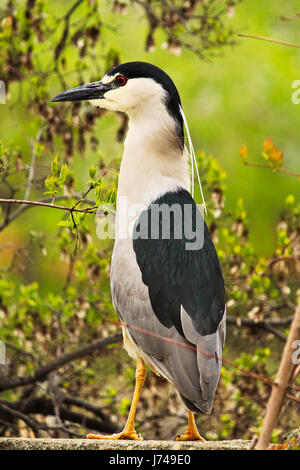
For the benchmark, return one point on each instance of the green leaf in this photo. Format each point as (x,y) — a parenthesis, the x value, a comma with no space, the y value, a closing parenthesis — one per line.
(50,183)
(55,167)
(63,173)
(92,171)
(64,223)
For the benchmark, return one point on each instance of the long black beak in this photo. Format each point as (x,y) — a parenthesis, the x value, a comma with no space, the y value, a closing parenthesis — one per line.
(91,91)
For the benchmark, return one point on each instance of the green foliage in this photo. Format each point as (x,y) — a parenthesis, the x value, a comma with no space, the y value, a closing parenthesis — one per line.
(43,323)
(55,181)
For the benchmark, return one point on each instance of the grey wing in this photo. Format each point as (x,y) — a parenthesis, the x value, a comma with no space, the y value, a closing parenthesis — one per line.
(185,284)
(178,358)
(209,355)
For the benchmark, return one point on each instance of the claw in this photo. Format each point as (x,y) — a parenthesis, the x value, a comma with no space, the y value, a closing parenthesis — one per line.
(130,435)
(192,433)
(189,437)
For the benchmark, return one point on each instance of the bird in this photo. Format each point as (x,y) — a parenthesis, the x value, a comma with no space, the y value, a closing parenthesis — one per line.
(166,279)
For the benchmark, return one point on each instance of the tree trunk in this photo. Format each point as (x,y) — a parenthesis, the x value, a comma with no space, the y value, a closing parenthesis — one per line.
(285,376)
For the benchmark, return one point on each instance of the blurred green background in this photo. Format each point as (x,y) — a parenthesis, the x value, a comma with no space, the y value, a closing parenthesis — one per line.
(241,97)
(52,300)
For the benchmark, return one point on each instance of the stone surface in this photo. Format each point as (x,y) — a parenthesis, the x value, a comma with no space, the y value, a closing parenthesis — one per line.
(94,444)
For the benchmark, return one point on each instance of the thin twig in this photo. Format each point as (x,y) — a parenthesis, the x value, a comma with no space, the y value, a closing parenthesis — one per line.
(44,406)
(22,209)
(31,171)
(252,323)
(19,350)
(282,43)
(42,372)
(268,167)
(283,258)
(268,324)
(290,18)
(82,198)
(62,42)
(45,204)
(17,414)
(276,332)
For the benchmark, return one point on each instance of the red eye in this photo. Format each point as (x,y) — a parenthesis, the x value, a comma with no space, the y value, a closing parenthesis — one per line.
(120,80)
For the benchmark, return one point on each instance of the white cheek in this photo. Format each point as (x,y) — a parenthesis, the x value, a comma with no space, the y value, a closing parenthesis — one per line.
(114,100)
(106,104)
(117,95)
(136,94)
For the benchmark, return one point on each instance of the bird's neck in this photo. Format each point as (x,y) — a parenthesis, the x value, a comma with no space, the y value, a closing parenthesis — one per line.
(154,161)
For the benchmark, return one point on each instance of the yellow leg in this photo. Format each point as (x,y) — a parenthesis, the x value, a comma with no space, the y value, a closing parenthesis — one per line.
(129,432)
(192,433)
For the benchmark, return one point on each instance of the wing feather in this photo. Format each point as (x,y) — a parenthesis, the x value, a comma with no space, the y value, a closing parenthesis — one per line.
(177,295)
(179,277)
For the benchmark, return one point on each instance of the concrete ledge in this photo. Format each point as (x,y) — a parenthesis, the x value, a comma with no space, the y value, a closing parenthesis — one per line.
(11,443)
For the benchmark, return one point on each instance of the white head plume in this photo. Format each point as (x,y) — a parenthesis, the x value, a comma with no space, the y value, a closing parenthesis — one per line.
(192,155)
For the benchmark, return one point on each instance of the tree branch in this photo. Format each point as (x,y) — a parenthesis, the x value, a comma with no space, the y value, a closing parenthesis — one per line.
(44,406)
(282,43)
(62,42)
(22,209)
(268,167)
(46,204)
(42,372)
(19,415)
(269,324)
(283,380)
(88,210)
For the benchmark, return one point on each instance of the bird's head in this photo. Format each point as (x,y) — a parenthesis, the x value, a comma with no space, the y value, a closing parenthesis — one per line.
(132,87)
(140,90)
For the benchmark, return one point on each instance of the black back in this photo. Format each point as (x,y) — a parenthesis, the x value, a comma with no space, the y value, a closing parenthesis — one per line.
(178,277)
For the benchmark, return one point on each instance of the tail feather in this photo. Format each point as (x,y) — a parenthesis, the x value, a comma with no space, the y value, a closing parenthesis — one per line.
(209,359)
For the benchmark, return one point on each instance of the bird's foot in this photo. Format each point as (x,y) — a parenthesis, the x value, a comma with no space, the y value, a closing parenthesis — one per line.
(130,435)
(190,436)
(192,433)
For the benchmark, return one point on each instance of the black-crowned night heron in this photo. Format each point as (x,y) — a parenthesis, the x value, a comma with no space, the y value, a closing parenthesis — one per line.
(168,290)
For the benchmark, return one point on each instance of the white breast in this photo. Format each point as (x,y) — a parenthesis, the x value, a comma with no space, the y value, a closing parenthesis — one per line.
(153,162)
